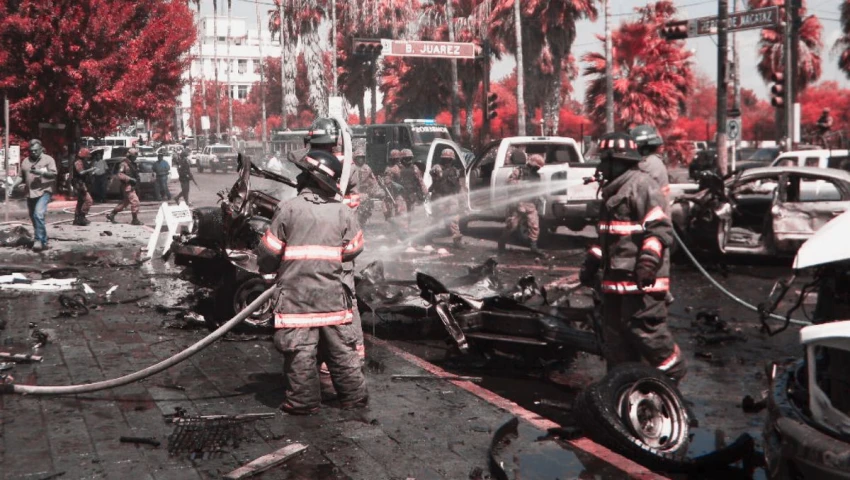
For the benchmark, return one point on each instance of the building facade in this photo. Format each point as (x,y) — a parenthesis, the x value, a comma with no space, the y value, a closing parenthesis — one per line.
(239,51)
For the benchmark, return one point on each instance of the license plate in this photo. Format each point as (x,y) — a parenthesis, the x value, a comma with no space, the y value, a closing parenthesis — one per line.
(146,177)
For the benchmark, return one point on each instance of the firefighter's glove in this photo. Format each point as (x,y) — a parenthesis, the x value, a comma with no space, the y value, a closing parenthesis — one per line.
(645,271)
(587,274)
(132,182)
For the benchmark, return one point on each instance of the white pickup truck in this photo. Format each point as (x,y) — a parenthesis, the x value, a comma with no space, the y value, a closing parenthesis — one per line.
(568,201)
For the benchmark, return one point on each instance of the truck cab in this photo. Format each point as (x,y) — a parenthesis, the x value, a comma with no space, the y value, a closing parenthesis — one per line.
(417,135)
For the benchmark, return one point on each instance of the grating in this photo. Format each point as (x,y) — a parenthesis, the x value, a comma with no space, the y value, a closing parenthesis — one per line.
(204,438)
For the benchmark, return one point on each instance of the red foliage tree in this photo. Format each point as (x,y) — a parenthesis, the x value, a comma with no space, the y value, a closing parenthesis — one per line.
(822,95)
(304,112)
(843,43)
(92,63)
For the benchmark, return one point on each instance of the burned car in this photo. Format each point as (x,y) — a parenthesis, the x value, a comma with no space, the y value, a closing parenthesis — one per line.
(219,252)
(761,211)
(807,434)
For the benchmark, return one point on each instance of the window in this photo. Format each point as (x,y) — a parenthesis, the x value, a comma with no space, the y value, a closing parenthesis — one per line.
(379,136)
(811,189)
(812,162)
(404,138)
(243,67)
(243,92)
(255,66)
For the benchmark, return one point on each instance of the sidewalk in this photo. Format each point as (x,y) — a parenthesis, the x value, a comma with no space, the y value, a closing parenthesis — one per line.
(425,429)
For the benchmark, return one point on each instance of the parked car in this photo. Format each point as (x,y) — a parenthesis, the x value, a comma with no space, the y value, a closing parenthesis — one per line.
(761,211)
(814,158)
(763,157)
(807,433)
(568,200)
(217,157)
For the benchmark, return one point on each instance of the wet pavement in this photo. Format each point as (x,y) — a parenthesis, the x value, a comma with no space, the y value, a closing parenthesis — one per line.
(79,435)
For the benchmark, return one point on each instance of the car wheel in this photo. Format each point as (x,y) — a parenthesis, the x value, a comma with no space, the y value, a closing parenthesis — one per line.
(231,294)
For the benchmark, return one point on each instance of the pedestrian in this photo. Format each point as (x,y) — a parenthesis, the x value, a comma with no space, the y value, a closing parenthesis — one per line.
(310,237)
(128,175)
(633,254)
(824,126)
(447,185)
(38,173)
(363,183)
(100,179)
(184,174)
(161,169)
(525,212)
(649,143)
(394,204)
(82,179)
(410,179)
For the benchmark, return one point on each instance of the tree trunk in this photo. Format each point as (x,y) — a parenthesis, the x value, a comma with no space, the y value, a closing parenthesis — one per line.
(284,57)
(554,103)
(455,100)
(374,93)
(470,114)
(215,69)
(520,71)
(361,108)
(289,69)
(318,97)
(262,80)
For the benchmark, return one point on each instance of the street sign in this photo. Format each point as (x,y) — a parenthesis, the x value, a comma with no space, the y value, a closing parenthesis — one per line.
(416,48)
(755,18)
(733,129)
(14,155)
(205,122)
(336,106)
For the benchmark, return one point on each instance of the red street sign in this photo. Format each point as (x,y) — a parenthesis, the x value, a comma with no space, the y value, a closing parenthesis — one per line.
(756,18)
(416,48)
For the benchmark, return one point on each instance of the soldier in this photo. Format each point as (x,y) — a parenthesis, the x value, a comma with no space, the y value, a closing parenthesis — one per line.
(446,187)
(184,173)
(649,142)
(161,169)
(635,235)
(310,237)
(82,180)
(364,184)
(127,174)
(394,204)
(38,172)
(525,211)
(410,179)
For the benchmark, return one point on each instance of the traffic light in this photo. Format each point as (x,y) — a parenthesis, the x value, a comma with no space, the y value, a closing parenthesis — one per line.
(367,47)
(492,103)
(777,90)
(677,30)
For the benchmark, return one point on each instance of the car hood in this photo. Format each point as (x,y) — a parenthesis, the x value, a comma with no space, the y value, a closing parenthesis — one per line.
(828,245)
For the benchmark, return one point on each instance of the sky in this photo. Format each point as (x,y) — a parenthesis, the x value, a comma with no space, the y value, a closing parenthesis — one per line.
(704,48)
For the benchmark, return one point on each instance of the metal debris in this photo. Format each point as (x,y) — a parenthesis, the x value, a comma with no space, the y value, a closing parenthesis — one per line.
(20,357)
(74,305)
(204,438)
(267,461)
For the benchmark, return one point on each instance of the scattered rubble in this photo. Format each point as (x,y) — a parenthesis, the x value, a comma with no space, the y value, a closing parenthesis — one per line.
(140,441)
(267,461)
(16,237)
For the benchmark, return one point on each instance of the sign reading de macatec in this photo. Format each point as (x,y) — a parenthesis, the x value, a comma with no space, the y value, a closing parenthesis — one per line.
(756,18)
(416,48)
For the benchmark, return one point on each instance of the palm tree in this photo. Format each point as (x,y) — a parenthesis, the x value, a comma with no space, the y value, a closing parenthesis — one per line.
(843,43)
(548,33)
(652,77)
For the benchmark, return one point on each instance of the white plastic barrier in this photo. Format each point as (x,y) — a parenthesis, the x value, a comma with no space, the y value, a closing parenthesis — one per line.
(177,218)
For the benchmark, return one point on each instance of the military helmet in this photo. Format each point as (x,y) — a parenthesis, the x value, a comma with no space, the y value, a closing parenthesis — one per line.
(618,146)
(133,152)
(535,160)
(406,153)
(324,131)
(359,152)
(323,166)
(646,136)
(447,154)
(395,154)
(84,153)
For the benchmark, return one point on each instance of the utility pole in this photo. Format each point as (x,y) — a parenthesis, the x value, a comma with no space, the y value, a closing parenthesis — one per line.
(333,46)
(736,93)
(794,72)
(282,68)
(520,74)
(722,65)
(455,100)
(6,155)
(262,77)
(609,72)
(215,69)
(229,85)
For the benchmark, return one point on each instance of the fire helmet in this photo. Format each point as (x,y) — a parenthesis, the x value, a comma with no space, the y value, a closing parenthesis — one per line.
(324,167)
(324,131)
(646,136)
(618,146)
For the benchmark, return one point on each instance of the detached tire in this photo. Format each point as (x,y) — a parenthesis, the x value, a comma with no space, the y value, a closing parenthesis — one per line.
(638,412)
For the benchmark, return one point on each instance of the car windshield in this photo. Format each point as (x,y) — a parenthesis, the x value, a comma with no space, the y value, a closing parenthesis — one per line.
(764,155)
(147,152)
(221,149)
(553,153)
(426,134)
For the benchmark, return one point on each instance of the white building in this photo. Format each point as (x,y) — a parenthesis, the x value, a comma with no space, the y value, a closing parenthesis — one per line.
(240,51)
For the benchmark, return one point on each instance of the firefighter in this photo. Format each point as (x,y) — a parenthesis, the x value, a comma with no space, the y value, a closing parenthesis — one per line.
(446,187)
(310,237)
(82,179)
(394,205)
(635,234)
(127,174)
(364,184)
(649,142)
(524,212)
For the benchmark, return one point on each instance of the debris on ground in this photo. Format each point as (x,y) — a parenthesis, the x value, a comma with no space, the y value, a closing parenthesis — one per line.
(140,441)
(41,338)
(16,237)
(72,305)
(187,321)
(751,405)
(267,461)
(20,357)
(19,281)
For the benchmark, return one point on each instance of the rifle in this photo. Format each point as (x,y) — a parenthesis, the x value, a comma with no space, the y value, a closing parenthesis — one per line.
(386,190)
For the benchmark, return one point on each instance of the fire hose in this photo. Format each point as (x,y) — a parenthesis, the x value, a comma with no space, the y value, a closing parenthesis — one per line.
(147,372)
(729,294)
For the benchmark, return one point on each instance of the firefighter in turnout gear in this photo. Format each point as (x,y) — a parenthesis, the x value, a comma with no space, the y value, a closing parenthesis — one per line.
(446,186)
(128,175)
(633,255)
(523,212)
(82,179)
(309,238)
(363,184)
(649,142)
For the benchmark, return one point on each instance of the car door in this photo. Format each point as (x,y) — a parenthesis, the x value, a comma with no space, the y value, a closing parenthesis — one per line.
(479,178)
(434,152)
(377,148)
(805,204)
(501,193)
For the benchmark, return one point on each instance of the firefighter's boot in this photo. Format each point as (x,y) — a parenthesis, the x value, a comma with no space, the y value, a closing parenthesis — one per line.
(534,250)
(80,220)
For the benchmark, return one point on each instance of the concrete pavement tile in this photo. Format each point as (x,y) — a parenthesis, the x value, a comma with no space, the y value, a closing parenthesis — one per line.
(176,473)
(35,463)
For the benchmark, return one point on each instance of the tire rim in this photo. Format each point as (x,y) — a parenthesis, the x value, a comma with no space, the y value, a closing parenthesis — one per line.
(654,414)
(246,293)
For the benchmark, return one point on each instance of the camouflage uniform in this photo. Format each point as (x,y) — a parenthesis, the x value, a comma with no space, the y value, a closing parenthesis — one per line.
(126,173)
(81,176)
(395,205)
(447,186)
(525,211)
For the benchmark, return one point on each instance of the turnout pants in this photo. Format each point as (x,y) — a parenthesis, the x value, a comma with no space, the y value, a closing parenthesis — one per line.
(524,214)
(130,199)
(634,328)
(301,347)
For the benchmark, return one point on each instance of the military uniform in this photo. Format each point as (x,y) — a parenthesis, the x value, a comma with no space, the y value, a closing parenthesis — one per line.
(394,205)
(127,176)
(82,177)
(446,188)
(633,253)
(653,165)
(184,174)
(525,211)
